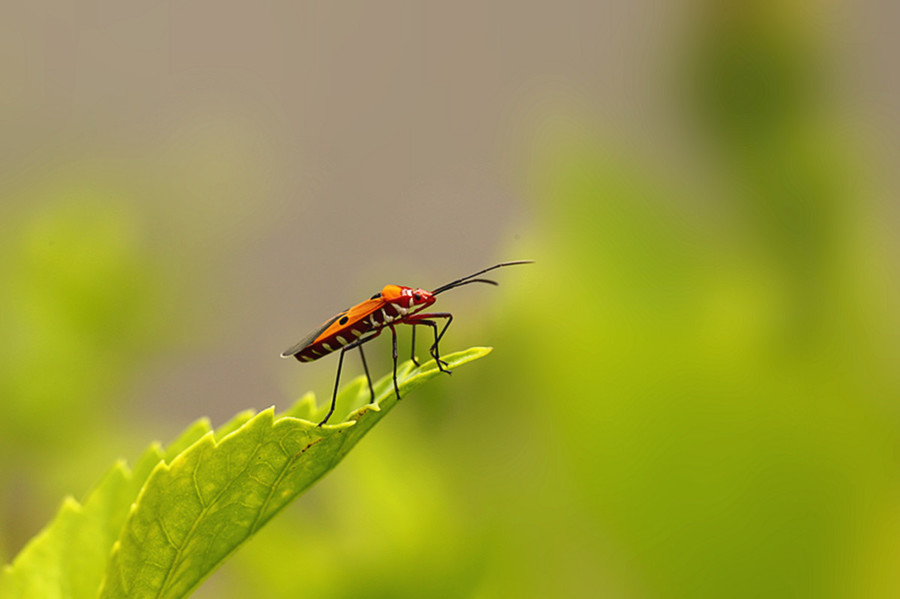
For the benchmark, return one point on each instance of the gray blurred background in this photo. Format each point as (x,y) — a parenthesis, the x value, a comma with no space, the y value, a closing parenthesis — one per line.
(188,188)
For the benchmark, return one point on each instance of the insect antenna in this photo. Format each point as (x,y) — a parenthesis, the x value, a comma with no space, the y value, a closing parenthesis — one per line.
(460,284)
(471,278)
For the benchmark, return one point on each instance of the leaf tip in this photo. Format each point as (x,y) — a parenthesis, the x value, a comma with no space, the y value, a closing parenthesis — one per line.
(70,504)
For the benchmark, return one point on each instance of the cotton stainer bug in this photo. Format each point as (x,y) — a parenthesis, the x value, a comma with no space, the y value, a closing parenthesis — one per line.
(363,322)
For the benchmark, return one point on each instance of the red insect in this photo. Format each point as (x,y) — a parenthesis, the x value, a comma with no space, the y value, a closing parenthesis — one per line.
(363,322)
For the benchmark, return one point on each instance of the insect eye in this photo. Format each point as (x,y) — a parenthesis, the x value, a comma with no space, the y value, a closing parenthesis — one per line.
(417,297)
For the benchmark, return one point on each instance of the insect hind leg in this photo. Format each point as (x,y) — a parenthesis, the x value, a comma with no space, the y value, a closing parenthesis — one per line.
(394,354)
(337,378)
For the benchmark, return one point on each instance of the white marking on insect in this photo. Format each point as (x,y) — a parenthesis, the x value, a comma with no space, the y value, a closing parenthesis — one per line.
(356,333)
(326,346)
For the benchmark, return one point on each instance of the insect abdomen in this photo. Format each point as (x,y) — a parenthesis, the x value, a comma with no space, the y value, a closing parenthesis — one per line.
(387,314)
(378,319)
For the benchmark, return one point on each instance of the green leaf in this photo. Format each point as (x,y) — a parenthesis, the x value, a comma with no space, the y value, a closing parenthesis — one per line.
(163,527)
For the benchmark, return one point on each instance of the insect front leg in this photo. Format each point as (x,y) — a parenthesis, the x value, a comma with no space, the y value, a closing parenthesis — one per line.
(424,319)
(440,363)
(337,379)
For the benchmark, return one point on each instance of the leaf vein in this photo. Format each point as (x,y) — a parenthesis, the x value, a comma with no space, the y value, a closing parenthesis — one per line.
(257,522)
(179,555)
(197,490)
(165,531)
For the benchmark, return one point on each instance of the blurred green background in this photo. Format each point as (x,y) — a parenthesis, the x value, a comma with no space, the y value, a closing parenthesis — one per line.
(694,391)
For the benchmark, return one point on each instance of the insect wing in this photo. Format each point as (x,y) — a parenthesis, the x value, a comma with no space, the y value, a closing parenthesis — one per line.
(310,339)
(353,316)
(336,324)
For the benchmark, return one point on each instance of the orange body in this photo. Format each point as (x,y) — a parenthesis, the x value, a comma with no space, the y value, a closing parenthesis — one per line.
(394,304)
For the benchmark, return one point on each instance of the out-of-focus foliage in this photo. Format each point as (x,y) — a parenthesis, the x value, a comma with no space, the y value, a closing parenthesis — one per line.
(81,301)
(79,294)
(735,435)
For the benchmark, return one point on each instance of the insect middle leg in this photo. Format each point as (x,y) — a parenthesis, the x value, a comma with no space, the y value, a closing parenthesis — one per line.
(413,344)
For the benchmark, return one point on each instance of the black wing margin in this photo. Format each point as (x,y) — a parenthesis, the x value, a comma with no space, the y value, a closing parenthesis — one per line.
(308,340)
